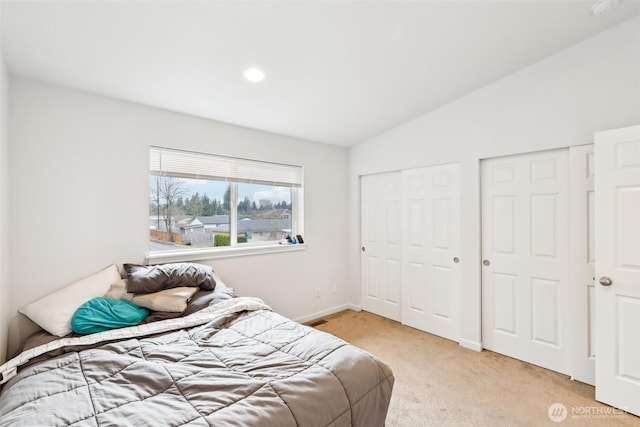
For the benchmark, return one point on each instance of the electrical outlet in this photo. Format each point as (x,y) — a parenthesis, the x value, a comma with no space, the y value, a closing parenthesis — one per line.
(317,292)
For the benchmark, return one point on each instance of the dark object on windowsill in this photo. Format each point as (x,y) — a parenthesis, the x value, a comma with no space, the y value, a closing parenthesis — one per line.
(292,240)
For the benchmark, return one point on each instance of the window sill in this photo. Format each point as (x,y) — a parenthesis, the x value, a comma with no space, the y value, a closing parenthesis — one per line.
(204,254)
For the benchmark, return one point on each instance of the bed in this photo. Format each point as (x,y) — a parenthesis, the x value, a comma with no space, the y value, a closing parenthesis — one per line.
(233,362)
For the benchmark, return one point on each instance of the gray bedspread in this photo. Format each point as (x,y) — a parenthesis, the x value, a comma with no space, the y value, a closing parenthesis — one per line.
(246,368)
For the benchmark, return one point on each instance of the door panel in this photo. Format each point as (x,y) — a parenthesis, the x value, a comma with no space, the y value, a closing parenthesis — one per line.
(617,244)
(545,323)
(431,231)
(441,303)
(380,229)
(582,260)
(525,246)
(504,301)
(503,222)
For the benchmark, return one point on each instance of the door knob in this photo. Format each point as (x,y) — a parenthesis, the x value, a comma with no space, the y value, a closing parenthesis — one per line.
(606,281)
(456,260)
(486,262)
(363,249)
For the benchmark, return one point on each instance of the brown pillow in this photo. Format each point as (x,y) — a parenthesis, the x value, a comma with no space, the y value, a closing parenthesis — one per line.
(145,279)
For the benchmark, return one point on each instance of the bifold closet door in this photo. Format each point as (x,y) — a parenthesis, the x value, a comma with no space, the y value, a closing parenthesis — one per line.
(431,249)
(525,257)
(380,253)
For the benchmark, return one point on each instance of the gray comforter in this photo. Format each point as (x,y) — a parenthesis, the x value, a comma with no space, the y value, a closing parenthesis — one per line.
(222,367)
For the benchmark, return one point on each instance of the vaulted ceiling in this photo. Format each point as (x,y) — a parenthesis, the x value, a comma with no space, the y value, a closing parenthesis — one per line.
(337,72)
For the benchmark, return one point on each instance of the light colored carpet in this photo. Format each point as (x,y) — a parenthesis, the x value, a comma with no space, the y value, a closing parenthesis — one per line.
(439,383)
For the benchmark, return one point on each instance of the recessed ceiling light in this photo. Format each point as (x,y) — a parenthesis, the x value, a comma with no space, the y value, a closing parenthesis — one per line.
(253,74)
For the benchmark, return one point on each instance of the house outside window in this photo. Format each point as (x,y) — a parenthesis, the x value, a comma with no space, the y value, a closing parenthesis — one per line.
(208,203)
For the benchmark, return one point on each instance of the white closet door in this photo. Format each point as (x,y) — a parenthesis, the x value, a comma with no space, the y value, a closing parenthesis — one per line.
(431,247)
(525,257)
(380,232)
(618,268)
(582,255)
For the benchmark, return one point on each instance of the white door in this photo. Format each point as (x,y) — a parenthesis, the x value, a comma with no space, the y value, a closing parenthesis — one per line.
(380,233)
(431,247)
(525,257)
(582,261)
(617,155)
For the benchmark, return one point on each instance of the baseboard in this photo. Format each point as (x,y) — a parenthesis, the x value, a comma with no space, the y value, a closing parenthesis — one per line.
(471,345)
(327,312)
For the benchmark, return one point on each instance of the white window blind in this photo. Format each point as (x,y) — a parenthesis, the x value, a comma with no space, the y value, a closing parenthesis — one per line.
(187,164)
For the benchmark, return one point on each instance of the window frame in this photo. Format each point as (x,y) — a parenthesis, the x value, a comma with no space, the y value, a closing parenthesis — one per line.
(235,249)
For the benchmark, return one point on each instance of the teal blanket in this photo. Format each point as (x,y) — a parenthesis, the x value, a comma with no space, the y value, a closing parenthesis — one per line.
(101,314)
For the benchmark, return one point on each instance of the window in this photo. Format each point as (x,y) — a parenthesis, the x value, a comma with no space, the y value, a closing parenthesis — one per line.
(207,203)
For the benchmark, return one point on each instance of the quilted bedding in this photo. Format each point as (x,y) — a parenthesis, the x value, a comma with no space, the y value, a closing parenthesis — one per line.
(236,363)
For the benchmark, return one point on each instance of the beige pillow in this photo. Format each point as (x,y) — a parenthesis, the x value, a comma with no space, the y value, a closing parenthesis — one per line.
(173,300)
(53,312)
(118,290)
(220,285)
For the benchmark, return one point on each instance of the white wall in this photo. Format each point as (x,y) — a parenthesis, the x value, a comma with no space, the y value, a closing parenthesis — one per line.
(558,102)
(79,198)
(4,207)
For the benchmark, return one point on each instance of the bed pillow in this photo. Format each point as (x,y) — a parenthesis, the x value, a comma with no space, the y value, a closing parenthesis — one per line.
(172,300)
(145,279)
(219,282)
(118,290)
(102,314)
(53,312)
(157,316)
(200,300)
(204,299)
